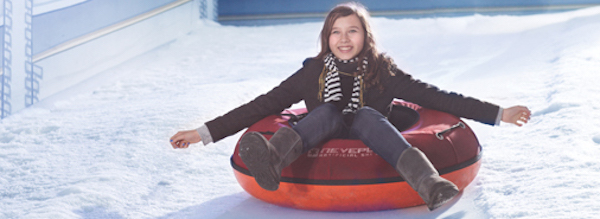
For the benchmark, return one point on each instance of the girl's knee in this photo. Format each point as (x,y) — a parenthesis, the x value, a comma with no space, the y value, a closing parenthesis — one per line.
(326,112)
(327,107)
(365,109)
(368,112)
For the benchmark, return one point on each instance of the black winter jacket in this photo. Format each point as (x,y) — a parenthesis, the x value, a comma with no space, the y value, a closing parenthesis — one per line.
(304,85)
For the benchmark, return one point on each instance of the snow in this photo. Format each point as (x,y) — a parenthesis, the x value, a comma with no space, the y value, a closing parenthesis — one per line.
(101,149)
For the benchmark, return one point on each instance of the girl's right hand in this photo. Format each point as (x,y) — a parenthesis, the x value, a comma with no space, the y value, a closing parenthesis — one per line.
(183,139)
(517,115)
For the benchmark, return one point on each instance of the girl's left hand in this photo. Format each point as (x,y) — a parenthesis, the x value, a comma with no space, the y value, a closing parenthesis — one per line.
(518,115)
(183,139)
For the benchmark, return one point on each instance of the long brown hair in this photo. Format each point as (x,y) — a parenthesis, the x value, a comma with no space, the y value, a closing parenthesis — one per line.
(373,76)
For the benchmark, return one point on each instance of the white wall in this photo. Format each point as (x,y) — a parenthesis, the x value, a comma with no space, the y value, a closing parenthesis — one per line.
(29,76)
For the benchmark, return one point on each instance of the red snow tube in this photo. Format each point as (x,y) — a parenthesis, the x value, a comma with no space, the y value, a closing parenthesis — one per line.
(345,175)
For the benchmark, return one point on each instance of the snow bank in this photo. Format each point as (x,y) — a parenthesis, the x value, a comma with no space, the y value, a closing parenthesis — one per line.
(101,150)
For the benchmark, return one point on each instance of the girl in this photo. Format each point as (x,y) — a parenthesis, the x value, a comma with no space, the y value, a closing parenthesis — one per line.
(347,89)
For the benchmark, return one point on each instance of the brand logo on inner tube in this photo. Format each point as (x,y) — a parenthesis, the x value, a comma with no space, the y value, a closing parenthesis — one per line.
(340,152)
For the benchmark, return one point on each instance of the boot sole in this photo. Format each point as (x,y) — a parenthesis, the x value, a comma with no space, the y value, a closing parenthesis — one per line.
(444,194)
(256,155)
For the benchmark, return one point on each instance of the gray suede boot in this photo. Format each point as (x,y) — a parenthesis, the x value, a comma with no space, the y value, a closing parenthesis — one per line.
(266,158)
(420,174)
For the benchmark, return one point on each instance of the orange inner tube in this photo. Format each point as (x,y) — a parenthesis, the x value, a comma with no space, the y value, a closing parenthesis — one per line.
(345,175)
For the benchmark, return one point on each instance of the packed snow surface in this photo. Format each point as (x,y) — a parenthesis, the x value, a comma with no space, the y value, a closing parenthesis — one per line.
(101,149)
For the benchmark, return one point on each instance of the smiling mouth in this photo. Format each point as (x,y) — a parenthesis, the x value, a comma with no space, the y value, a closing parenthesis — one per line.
(345,48)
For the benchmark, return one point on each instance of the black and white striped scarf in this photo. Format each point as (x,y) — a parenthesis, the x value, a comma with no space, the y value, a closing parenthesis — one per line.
(333,88)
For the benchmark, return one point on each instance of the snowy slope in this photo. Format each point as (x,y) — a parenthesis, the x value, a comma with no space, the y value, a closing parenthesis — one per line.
(100,150)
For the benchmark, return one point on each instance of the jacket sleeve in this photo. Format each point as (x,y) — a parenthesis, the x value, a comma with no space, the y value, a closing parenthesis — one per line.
(405,87)
(273,102)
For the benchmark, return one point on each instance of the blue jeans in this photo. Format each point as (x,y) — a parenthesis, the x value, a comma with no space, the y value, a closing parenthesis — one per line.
(370,126)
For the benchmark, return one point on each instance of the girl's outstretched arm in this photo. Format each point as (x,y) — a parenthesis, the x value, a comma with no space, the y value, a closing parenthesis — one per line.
(183,139)
(518,115)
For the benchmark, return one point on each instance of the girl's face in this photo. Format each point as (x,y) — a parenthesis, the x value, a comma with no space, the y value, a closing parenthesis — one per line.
(347,37)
